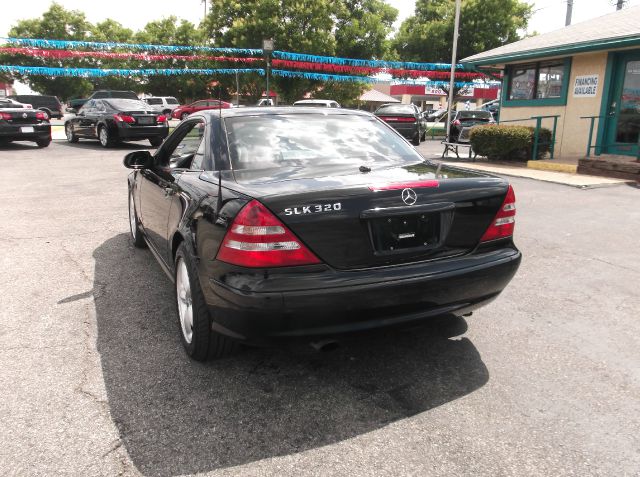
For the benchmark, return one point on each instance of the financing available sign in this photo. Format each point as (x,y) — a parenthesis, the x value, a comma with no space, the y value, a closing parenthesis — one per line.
(585,86)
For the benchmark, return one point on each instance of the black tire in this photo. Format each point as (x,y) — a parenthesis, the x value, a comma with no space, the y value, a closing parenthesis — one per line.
(155,141)
(416,140)
(183,116)
(134,225)
(204,343)
(4,142)
(43,142)
(71,135)
(167,113)
(106,139)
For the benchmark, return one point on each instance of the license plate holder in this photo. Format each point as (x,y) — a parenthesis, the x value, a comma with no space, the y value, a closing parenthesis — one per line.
(26,129)
(402,233)
(146,120)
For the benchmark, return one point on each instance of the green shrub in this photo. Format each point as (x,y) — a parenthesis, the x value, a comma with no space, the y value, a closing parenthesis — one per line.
(499,142)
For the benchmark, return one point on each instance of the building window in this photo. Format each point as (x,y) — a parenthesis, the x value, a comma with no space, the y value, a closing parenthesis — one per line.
(543,83)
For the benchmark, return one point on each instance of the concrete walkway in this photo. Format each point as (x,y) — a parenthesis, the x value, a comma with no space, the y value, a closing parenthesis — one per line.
(433,150)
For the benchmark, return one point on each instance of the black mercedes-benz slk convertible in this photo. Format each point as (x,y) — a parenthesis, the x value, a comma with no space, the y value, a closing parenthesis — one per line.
(302,222)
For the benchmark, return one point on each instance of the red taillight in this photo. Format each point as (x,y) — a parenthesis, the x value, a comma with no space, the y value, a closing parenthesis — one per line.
(124,118)
(258,239)
(504,222)
(404,185)
(5,116)
(161,119)
(42,116)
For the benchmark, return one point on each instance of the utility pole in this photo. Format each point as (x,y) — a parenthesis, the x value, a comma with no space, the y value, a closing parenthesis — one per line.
(453,67)
(567,20)
(267,48)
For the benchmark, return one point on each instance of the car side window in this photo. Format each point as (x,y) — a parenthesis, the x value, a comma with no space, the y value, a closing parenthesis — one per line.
(199,104)
(184,152)
(87,107)
(198,159)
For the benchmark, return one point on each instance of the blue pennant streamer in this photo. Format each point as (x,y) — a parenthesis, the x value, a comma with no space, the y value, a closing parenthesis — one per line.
(408,65)
(74,44)
(96,72)
(365,79)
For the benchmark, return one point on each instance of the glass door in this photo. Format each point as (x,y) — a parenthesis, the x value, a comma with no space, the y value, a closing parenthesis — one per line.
(623,122)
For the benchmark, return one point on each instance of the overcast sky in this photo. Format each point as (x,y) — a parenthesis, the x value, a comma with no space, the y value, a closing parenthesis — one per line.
(549,14)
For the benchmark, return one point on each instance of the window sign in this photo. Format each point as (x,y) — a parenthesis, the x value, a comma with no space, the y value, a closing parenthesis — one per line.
(523,83)
(585,86)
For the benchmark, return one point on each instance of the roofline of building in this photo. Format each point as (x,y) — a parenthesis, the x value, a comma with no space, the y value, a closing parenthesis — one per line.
(595,45)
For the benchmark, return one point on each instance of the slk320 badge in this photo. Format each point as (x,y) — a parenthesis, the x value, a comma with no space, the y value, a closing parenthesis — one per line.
(313,209)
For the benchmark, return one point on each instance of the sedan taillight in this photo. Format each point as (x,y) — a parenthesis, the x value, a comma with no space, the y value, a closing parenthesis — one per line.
(42,116)
(258,239)
(504,222)
(161,119)
(5,116)
(124,118)
(456,122)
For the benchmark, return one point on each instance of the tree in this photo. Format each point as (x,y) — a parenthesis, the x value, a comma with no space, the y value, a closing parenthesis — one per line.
(57,24)
(171,31)
(427,36)
(354,28)
(484,24)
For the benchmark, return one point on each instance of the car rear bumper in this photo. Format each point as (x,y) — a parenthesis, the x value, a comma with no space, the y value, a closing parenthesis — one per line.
(407,130)
(331,302)
(142,132)
(14,132)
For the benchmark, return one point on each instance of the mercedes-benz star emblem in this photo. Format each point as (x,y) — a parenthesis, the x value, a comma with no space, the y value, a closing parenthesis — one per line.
(409,196)
(24,115)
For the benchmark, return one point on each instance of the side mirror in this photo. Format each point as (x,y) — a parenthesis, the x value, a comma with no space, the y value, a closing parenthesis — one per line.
(138,160)
(71,110)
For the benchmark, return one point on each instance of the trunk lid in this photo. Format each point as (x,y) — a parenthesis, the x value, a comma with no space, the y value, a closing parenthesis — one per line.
(390,216)
(21,116)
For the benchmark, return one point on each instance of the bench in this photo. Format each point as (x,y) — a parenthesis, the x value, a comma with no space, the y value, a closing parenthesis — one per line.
(454,146)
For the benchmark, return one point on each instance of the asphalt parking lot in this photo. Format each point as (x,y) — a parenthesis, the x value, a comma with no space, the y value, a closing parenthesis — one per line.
(544,381)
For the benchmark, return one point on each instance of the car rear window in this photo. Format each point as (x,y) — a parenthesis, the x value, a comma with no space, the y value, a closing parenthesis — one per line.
(126,104)
(309,144)
(474,115)
(396,109)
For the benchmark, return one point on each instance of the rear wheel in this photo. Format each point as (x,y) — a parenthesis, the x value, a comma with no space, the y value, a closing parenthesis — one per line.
(199,341)
(71,136)
(155,141)
(43,142)
(134,225)
(183,116)
(416,140)
(167,113)
(105,138)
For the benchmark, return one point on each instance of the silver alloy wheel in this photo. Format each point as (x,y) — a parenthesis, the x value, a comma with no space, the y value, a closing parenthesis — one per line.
(68,132)
(104,136)
(132,217)
(183,295)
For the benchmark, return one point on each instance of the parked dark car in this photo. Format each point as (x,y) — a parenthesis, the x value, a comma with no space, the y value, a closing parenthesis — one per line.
(181,112)
(47,104)
(463,121)
(114,120)
(406,119)
(288,222)
(76,103)
(108,93)
(21,124)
